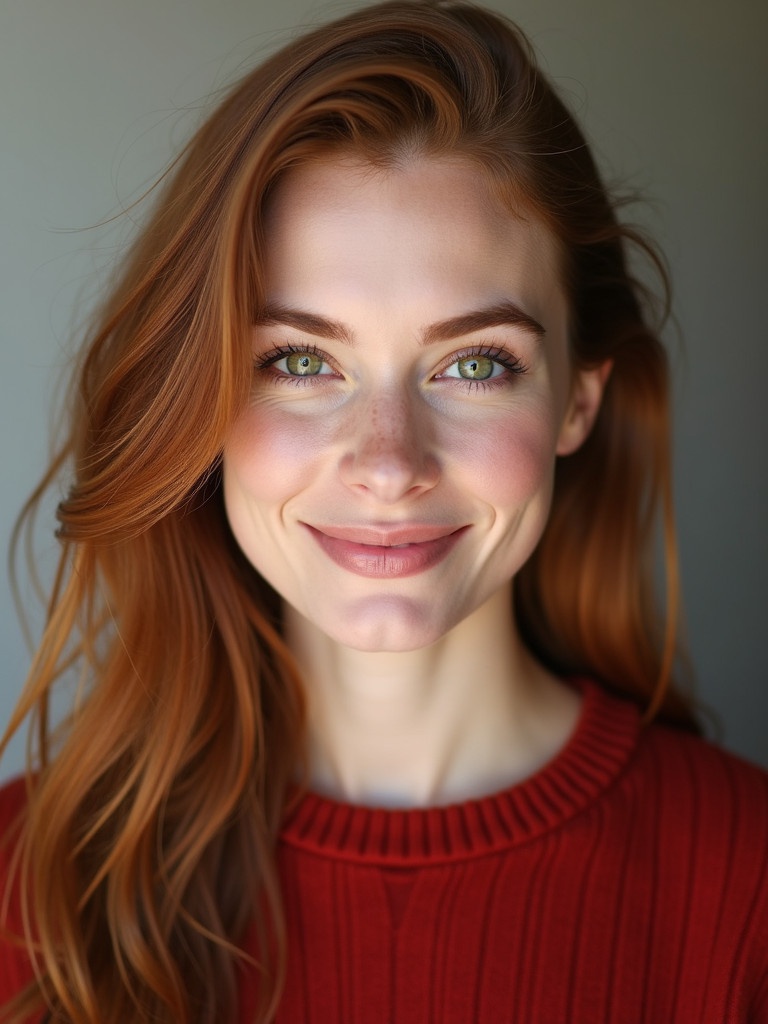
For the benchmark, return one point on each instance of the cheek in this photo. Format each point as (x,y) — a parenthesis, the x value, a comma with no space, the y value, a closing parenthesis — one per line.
(510,458)
(270,452)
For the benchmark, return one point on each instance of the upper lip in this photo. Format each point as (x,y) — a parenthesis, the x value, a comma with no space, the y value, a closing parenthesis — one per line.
(387,536)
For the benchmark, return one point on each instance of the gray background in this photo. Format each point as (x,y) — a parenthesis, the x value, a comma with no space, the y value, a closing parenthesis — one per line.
(95,96)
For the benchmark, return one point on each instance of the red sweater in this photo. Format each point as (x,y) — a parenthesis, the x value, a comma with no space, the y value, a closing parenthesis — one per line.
(626,882)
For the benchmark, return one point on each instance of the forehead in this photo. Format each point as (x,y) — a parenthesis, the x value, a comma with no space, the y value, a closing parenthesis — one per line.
(429,228)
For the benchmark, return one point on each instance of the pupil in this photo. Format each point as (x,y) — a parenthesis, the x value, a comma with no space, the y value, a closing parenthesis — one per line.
(476,367)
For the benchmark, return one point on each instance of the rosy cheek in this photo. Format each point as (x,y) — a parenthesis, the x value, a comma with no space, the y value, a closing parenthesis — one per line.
(271,451)
(509,458)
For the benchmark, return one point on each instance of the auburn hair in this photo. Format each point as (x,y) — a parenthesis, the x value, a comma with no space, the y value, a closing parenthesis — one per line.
(147,847)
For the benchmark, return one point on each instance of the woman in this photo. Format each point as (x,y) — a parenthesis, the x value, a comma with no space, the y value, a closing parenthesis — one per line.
(366,454)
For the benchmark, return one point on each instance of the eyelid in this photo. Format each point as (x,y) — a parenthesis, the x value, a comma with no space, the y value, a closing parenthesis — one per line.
(497,353)
(278,352)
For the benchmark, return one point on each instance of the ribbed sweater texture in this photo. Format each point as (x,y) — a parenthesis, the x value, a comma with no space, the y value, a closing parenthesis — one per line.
(627,881)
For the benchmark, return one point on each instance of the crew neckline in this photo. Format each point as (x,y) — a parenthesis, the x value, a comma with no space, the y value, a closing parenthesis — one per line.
(599,747)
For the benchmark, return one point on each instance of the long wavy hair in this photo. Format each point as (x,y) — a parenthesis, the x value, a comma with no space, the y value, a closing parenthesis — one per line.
(147,847)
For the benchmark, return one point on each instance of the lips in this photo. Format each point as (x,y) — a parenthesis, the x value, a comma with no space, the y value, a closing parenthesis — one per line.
(386,552)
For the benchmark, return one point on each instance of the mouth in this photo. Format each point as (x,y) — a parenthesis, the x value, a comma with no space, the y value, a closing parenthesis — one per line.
(387,552)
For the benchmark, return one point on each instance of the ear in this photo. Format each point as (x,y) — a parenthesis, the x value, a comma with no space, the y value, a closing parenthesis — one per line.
(587,389)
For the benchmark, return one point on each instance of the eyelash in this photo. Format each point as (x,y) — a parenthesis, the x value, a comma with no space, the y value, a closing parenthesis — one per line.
(266,361)
(511,363)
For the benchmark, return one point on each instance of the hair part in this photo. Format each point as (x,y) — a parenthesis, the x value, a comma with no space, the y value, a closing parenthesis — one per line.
(149,838)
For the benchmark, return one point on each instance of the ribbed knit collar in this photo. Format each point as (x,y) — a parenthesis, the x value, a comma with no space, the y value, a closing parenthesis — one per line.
(600,746)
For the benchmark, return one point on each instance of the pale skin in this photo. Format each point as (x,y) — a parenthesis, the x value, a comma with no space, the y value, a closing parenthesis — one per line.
(381,415)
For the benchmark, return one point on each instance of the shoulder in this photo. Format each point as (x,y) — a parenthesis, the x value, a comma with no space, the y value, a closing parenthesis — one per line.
(699,794)
(13,804)
(13,800)
(700,822)
(711,810)
(687,798)
(700,775)
(679,837)
(681,781)
(15,968)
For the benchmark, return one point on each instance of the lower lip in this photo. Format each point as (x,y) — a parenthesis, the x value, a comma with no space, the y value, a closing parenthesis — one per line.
(386,562)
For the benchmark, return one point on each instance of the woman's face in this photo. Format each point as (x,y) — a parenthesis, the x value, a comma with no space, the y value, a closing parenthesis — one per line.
(411,389)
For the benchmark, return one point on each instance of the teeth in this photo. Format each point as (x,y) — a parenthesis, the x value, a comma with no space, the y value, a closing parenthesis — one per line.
(400,545)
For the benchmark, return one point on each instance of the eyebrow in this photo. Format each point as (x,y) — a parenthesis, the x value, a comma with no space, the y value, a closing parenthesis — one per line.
(309,323)
(501,314)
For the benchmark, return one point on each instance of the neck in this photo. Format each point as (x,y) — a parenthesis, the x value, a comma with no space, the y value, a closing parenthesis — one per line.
(467,716)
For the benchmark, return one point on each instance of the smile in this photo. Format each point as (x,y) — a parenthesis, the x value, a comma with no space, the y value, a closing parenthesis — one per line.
(386,553)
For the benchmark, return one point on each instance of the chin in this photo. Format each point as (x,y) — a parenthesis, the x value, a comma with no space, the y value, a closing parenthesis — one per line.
(387,624)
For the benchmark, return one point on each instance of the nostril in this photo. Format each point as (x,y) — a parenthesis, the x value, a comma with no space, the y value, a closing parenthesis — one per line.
(388,469)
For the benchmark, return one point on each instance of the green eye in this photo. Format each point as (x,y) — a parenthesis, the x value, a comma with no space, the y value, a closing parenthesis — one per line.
(303,364)
(475,367)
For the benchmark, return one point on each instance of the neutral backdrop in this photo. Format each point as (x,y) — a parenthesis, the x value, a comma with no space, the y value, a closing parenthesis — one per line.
(95,96)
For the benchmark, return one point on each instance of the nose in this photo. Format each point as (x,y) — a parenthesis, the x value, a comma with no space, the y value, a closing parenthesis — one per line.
(389,454)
